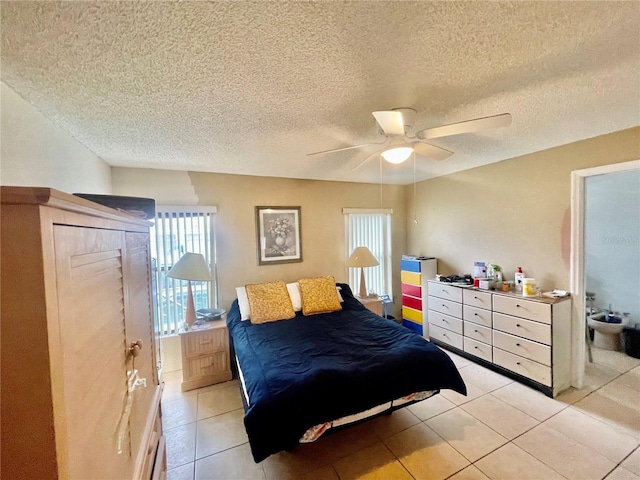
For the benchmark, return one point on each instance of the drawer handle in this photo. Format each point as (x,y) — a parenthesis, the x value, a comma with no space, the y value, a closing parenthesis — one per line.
(518,363)
(204,342)
(476,331)
(517,324)
(476,314)
(517,344)
(135,347)
(475,347)
(475,297)
(518,305)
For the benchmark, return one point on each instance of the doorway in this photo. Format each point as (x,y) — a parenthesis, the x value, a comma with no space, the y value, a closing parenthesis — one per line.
(577,265)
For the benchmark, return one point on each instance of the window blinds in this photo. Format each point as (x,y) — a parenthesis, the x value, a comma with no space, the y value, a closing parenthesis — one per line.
(177,230)
(371,229)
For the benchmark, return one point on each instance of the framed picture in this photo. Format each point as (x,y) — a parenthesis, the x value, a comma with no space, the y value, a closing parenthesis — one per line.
(278,232)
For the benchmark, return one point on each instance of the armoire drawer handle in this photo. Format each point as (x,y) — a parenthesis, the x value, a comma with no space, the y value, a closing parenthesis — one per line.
(517,344)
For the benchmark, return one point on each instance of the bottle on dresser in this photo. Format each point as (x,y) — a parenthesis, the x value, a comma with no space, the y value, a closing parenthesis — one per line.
(519,277)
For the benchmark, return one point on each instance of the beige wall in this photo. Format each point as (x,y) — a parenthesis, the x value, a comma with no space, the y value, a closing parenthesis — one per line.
(236,197)
(35,152)
(512,213)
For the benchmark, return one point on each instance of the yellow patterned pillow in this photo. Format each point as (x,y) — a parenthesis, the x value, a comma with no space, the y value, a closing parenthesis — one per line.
(319,295)
(269,302)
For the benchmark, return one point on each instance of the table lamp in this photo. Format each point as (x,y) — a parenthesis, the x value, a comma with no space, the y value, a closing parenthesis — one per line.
(362,257)
(191,266)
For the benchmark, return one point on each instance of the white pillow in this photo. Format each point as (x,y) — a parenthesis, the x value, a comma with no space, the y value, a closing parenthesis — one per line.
(296,296)
(243,303)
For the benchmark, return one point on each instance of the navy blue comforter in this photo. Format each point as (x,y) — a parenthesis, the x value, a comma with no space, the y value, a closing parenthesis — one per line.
(307,370)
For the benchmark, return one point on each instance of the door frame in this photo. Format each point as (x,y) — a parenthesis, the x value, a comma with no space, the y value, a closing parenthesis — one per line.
(577,271)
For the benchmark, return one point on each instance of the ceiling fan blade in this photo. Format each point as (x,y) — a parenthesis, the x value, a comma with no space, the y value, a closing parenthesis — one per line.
(370,157)
(391,122)
(468,126)
(343,149)
(431,151)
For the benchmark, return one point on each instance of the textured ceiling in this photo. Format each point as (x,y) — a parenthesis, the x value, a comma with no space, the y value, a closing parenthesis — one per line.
(252,87)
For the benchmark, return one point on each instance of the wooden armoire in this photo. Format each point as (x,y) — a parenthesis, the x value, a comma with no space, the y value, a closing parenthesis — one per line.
(80,394)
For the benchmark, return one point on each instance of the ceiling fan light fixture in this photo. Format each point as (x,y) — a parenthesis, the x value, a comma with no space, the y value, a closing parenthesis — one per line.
(397,155)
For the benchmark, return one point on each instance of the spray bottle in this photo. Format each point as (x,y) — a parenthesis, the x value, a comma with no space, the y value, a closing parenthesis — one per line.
(518,279)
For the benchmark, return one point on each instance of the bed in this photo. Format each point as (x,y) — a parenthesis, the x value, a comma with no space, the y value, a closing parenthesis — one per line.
(304,375)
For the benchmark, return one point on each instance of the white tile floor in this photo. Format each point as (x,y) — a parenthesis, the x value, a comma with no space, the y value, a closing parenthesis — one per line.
(501,430)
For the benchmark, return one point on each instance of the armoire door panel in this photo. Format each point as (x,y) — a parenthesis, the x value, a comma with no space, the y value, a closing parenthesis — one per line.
(139,326)
(92,330)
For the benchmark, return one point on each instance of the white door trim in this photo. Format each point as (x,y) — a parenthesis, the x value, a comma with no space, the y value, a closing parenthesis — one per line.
(576,267)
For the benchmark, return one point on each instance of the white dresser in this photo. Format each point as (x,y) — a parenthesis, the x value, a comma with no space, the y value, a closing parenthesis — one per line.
(527,338)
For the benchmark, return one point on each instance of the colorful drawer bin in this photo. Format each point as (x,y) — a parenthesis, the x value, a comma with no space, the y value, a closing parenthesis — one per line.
(414,274)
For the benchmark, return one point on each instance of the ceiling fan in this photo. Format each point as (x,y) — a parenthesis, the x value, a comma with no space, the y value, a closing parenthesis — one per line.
(400,142)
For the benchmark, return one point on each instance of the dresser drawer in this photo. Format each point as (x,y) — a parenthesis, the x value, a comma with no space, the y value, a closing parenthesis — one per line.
(200,342)
(205,365)
(477,299)
(412,314)
(478,332)
(445,306)
(442,290)
(445,336)
(477,315)
(445,321)
(412,290)
(412,278)
(527,368)
(478,349)
(538,311)
(412,302)
(538,332)
(525,348)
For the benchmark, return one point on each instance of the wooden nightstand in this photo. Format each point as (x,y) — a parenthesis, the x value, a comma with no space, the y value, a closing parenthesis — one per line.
(205,355)
(372,303)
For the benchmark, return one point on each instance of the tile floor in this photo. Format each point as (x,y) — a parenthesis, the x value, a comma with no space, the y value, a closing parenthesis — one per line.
(501,430)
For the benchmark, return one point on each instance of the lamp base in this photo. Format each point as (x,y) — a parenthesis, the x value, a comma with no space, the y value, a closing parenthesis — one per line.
(363,287)
(190,319)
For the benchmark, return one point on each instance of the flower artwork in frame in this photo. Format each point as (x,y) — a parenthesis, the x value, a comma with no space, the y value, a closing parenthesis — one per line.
(278,231)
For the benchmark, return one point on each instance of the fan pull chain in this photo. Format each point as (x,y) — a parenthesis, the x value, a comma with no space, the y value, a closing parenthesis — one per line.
(415,204)
(380,159)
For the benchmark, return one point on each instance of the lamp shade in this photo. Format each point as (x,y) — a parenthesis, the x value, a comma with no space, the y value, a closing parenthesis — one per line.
(362,257)
(191,266)
(397,155)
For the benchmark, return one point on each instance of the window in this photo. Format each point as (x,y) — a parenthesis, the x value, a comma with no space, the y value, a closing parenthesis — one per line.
(178,230)
(371,229)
